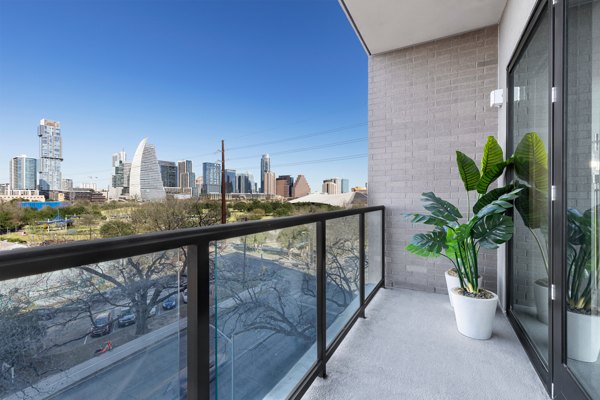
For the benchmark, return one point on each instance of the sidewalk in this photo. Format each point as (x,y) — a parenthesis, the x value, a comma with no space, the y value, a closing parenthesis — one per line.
(55,383)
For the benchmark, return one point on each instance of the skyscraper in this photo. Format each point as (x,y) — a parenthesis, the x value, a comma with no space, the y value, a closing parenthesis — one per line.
(301,187)
(265,166)
(145,180)
(168,173)
(284,185)
(23,173)
(269,182)
(245,183)
(211,174)
(332,186)
(230,183)
(345,186)
(50,155)
(187,178)
(67,185)
(118,176)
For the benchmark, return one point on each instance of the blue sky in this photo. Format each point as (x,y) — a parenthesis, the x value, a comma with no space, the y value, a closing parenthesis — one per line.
(283,77)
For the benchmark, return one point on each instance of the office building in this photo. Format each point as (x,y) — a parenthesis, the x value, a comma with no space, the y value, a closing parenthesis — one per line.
(211,175)
(51,157)
(284,185)
(265,166)
(23,173)
(330,187)
(269,181)
(118,176)
(145,180)
(300,187)
(245,183)
(345,186)
(230,181)
(187,178)
(168,173)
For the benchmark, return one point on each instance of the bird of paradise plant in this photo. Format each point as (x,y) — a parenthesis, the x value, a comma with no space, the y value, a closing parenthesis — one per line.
(461,240)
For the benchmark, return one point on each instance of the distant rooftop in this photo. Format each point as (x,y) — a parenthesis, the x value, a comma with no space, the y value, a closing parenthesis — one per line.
(338,200)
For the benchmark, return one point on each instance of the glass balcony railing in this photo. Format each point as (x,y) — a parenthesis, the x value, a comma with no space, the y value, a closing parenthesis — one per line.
(241,311)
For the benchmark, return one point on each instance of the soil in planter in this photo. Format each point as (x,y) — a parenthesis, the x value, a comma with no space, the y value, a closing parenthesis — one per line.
(579,310)
(483,294)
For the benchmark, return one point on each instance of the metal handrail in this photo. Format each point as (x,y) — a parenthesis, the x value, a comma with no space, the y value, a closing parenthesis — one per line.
(26,262)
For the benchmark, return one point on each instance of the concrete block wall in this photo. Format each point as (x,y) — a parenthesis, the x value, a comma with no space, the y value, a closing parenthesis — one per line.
(426,102)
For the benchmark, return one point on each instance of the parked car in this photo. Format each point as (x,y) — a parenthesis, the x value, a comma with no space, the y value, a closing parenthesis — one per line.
(152,312)
(102,324)
(127,317)
(184,296)
(170,303)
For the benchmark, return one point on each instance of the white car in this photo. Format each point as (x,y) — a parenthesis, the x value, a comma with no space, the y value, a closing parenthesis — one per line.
(184,296)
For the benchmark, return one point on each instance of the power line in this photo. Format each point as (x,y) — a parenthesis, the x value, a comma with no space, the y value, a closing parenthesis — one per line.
(301,149)
(319,161)
(312,134)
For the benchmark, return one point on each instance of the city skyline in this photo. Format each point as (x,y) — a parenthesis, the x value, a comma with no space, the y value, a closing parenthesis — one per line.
(308,110)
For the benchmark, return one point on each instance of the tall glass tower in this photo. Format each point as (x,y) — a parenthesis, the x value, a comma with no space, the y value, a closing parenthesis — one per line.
(23,173)
(50,155)
(265,166)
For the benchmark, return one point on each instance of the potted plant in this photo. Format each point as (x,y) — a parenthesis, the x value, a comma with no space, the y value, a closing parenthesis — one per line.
(459,239)
(531,170)
(583,321)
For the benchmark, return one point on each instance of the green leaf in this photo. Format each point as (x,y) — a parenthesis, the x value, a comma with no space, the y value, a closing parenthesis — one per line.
(440,208)
(427,244)
(532,205)
(492,164)
(425,219)
(531,161)
(499,206)
(493,230)
(468,171)
(489,176)
(491,196)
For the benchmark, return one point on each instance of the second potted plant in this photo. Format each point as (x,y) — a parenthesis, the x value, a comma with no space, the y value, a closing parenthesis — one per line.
(460,239)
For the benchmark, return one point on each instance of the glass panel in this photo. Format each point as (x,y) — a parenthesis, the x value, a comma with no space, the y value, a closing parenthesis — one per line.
(264,313)
(105,331)
(373,254)
(530,120)
(342,272)
(583,193)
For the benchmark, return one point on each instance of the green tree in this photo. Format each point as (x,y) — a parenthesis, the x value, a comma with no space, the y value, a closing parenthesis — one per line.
(116,228)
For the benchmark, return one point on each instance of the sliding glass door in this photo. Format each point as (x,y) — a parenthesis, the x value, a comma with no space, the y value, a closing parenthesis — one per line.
(529,141)
(578,367)
(554,136)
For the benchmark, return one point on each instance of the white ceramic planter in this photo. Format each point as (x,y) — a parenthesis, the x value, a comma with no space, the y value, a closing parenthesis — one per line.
(453,281)
(474,317)
(583,337)
(540,295)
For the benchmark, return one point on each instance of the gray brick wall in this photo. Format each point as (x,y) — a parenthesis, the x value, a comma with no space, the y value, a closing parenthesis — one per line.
(425,102)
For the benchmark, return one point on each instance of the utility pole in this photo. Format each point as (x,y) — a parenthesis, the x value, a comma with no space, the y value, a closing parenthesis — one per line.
(223,185)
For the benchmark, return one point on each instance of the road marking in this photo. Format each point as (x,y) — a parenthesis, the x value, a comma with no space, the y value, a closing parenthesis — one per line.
(85,339)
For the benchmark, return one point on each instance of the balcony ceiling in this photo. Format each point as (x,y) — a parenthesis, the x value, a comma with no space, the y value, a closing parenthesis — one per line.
(385,25)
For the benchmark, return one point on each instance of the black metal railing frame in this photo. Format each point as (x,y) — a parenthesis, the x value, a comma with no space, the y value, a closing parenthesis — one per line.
(26,262)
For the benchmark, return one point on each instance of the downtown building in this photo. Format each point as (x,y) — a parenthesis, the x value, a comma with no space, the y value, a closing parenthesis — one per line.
(187,178)
(230,181)
(245,183)
(145,179)
(301,187)
(51,157)
(211,177)
(169,173)
(265,166)
(270,183)
(284,185)
(332,186)
(23,173)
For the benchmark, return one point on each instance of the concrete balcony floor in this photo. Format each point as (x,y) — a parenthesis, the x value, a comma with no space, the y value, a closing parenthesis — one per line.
(409,348)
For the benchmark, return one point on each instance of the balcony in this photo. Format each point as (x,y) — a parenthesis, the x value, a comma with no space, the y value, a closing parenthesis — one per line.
(249,310)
